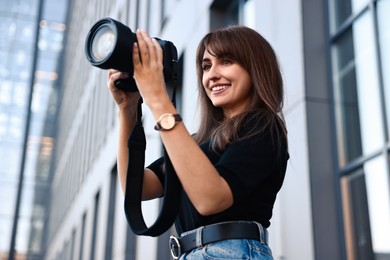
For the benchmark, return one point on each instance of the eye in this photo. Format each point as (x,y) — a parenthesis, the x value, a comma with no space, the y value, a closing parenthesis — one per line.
(206,67)
(226,62)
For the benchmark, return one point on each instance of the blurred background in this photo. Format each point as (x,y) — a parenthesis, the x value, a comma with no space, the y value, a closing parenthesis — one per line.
(59,193)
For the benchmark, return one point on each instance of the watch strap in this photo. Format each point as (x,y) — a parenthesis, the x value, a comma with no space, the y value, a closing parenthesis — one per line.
(177,118)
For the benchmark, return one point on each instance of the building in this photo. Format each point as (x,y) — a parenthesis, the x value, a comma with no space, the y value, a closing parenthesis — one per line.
(335,203)
(31,45)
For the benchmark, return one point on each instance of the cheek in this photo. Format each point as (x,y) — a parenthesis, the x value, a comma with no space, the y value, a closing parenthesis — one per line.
(207,92)
(204,89)
(247,87)
(204,82)
(247,80)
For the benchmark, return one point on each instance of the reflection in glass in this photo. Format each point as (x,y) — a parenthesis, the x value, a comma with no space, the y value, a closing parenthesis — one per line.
(5,231)
(357,5)
(366,211)
(17,50)
(378,195)
(5,92)
(347,110)
(357,97)
(384,41)
(21,238)
(340,11)
(356,217)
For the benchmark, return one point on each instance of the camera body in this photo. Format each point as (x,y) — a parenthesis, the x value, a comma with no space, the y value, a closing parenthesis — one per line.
(109,45)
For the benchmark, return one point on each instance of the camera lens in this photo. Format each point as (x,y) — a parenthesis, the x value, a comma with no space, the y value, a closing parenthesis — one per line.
(103,43)
(109,45)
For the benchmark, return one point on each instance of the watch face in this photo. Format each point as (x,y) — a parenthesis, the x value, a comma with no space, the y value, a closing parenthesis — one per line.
(167,122)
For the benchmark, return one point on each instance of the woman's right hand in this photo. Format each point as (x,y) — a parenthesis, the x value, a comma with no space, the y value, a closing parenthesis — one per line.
(126,101)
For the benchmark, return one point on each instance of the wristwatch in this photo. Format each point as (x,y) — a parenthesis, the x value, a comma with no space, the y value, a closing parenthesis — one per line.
(167,122)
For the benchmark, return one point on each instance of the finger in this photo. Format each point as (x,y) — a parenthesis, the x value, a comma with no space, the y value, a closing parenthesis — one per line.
(142,47)
(159,51)
(136,58)
(114,76)
(110,72)
(150,46)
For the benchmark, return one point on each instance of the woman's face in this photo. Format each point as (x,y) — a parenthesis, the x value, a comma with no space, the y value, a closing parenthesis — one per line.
(227,84)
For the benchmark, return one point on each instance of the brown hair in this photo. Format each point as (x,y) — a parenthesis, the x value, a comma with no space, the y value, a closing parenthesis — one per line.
(249,49)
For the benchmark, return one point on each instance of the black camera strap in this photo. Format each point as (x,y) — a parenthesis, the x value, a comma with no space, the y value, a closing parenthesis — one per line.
(134,183)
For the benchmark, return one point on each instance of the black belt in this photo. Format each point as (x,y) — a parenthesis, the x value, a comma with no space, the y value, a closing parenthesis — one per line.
(216,232)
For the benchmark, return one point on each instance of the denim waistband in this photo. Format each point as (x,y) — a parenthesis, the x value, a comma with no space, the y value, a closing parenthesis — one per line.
(216,232)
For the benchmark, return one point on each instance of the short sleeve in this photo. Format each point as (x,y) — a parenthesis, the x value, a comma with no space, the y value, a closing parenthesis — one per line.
(157,168)
(247,164)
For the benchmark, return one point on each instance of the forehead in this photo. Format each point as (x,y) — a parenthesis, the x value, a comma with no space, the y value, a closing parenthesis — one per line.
(207,55)
(211,55)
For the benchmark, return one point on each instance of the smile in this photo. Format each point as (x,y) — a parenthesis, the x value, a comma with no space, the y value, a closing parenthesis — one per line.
(219,88)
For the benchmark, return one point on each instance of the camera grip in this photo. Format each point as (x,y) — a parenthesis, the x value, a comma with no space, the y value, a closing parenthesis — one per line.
(127,84)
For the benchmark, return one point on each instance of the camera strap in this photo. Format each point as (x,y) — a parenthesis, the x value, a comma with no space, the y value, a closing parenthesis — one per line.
(134,183)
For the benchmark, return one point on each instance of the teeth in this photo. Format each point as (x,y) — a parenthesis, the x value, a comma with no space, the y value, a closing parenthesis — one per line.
(218,88)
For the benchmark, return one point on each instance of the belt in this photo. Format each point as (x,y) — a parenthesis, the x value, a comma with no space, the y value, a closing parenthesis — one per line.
(216,232)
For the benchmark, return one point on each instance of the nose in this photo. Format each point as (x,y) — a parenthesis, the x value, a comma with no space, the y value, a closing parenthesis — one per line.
(213,74)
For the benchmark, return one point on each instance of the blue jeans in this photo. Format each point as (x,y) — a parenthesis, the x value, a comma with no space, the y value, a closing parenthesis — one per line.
(233,249)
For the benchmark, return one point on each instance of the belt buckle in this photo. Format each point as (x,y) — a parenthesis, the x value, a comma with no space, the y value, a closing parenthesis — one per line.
(175,247)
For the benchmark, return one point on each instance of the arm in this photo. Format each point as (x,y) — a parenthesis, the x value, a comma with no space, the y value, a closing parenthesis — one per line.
(127,113)
(207,190)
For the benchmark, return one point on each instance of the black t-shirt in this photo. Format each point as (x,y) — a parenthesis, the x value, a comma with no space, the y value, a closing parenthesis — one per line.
(253,168)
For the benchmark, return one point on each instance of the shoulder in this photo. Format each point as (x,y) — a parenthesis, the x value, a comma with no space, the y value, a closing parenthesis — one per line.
(260,124)
(266,131)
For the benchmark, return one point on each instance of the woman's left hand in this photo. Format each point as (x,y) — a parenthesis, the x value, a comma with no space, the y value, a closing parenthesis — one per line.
(148,69)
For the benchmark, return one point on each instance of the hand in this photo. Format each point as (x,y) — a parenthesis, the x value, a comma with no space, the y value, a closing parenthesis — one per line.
(148,69)
(124,100)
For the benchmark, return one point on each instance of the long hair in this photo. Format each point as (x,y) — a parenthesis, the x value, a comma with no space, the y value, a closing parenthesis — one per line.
(249,49)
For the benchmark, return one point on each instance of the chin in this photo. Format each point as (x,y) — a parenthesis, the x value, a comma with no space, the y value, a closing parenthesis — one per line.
(216,104)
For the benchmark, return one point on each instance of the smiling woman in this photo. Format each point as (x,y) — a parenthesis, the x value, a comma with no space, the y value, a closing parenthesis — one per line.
(230,170)
(255,66)
(227,84)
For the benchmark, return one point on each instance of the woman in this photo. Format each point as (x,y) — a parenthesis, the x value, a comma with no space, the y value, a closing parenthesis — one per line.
(233,167)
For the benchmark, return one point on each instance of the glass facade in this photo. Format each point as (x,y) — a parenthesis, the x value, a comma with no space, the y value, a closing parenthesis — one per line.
(31,42)
(16,52)
(384,40)
(357,91)
(360,43)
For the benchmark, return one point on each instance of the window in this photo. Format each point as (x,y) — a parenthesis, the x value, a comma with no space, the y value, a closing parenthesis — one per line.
(83,223)
(94,227)
(72,244)
(111,215)
(384,44)
(131,240)
(361,85)
(359,121)
(366,206)
(356,218)
(224,13)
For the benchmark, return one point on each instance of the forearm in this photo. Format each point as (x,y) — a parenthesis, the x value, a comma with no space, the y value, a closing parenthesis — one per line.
(152,187)
(207,190)
(127,122)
